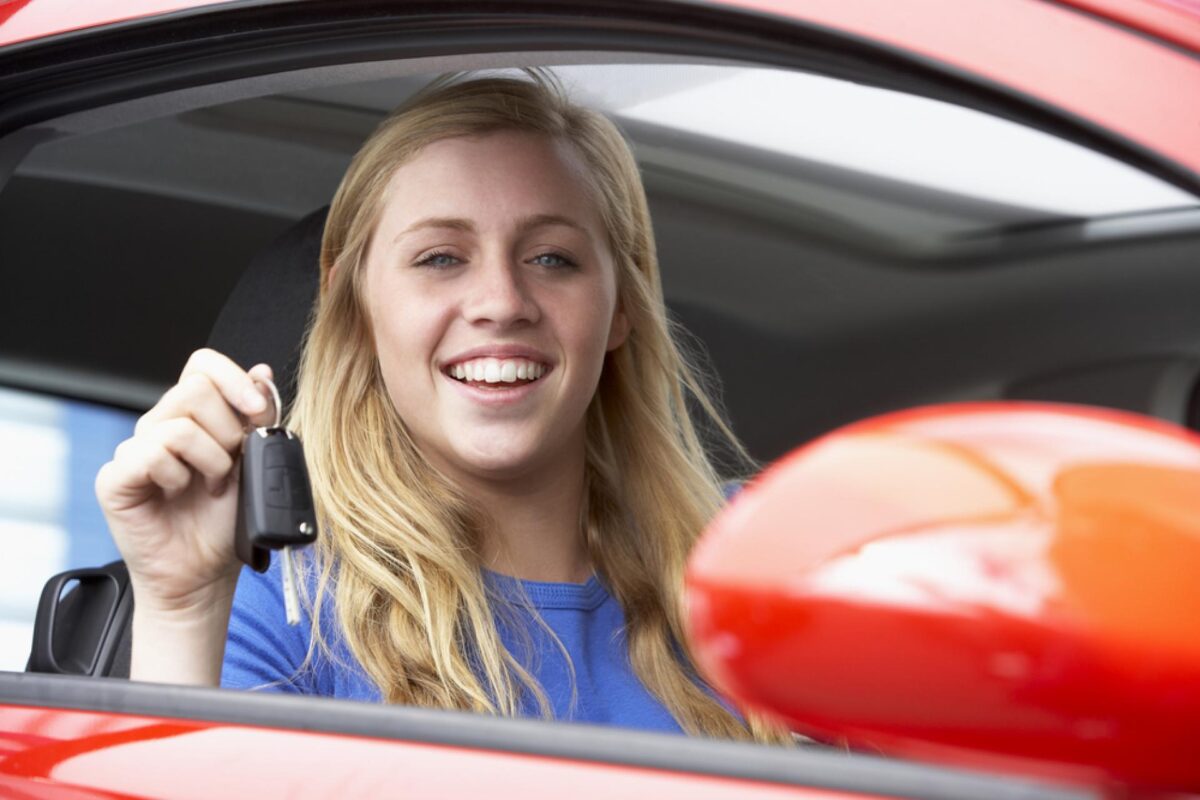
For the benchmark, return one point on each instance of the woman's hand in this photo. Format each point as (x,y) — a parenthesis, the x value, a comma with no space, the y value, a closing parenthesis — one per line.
(170,494)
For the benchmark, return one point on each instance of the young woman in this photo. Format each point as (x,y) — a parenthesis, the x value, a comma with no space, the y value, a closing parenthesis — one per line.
(493,410)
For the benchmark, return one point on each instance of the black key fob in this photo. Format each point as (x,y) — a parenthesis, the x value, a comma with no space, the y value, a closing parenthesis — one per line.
(275,506)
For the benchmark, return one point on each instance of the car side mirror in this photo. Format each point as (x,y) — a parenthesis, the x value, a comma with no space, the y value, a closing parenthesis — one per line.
(994,585)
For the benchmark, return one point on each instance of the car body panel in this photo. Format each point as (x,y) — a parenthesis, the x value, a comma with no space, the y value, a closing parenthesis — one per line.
(60,753)
(1108,75)
(113,737)
(1114,78)
(1172,20)
(1175,21)
(26,20)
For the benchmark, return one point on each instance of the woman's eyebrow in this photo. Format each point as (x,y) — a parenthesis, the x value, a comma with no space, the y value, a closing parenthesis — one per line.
(524,225)
(547,220)
(450,223)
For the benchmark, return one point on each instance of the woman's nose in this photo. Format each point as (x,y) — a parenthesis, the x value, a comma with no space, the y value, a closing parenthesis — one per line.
(500,293)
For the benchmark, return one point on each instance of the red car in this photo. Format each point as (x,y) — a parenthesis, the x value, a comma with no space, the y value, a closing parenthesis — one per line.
(862,206)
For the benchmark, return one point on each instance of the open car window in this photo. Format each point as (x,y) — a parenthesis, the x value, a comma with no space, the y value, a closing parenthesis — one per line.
(793,211)
(777,197)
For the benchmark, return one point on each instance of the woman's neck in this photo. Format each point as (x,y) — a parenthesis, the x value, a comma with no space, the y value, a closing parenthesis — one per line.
(534,531)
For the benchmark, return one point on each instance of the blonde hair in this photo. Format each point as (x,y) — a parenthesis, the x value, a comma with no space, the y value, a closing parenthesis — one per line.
(399,549)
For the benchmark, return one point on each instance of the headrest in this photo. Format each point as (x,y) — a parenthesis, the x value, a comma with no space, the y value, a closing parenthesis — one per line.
(266,313)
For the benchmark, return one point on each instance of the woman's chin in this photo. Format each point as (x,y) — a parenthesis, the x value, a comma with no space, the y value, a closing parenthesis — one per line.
(498,463)
(504,454)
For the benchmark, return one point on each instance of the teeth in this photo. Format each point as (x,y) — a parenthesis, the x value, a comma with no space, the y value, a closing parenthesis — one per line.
(498,370)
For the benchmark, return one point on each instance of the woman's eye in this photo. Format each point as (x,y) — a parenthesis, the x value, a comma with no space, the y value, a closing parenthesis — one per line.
(438,260)
(552,260)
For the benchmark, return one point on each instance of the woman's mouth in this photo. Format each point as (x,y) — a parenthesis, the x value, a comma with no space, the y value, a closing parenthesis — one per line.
(496,373)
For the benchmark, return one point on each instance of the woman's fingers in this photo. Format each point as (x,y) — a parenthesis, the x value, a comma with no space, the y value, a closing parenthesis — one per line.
(197,397)
(234,384)
(262,372)
(217,393)
(135,473)
(166,454)
(197,428)
(184,439)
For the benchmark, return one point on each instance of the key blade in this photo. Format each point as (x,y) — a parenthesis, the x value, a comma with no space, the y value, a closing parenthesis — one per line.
(291,598)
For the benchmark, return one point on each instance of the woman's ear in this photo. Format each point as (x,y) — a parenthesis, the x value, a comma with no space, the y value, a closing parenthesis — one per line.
(329,277)
(618,332)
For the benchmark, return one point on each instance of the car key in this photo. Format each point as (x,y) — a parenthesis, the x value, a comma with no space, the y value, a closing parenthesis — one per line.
(275,507)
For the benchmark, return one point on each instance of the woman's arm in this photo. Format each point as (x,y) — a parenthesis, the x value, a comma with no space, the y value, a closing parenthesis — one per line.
(180,646)
(170,498)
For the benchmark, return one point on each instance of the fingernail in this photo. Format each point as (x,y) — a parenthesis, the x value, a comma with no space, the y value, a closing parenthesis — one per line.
(253,402)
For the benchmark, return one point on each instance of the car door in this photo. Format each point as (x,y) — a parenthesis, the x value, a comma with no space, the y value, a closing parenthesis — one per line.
(869,289)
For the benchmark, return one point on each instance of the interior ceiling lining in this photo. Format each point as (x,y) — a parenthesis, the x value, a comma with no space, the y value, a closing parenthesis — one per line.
(904,220)
(298,81)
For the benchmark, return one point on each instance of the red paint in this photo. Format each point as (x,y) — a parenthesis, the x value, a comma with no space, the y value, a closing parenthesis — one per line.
(10,7)
(1111,77)
(1175,21)
(147,757)
(1114,78)
(35,19)
(1006,585)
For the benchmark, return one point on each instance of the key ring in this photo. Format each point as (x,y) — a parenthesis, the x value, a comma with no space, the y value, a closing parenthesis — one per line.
(270,384)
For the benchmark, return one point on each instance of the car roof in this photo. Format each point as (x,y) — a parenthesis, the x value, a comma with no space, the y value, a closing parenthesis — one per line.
(27,20)
(1177,21)
(1131,92)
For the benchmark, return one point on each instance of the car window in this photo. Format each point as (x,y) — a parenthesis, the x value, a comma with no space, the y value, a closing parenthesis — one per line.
(783,203)
(49,519)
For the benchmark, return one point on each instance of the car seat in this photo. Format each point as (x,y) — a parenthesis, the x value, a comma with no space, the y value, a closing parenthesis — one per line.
(87,629)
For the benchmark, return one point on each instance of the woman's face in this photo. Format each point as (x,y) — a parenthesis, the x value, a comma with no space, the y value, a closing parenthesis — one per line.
(492,294)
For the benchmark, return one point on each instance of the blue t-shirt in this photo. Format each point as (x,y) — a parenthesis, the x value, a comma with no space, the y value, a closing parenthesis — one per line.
(264,652)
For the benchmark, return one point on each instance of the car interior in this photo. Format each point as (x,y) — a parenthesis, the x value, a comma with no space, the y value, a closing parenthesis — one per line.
(818,293)
(836,242)
(862,291)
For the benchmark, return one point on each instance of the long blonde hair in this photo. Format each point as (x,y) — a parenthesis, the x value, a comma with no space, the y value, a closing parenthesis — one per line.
(399,550)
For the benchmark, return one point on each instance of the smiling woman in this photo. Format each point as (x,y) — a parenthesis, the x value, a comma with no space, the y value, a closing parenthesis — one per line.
(505,471)
(509,286)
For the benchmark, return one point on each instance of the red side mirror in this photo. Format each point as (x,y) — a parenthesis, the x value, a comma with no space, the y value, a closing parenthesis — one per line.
(994,585)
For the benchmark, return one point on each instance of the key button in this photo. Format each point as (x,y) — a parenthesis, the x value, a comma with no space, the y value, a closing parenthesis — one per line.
(285,489)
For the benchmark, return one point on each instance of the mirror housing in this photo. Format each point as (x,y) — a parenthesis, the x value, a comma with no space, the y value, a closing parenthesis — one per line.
(1010,586)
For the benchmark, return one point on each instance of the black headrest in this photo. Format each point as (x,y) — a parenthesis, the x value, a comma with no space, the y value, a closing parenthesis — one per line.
(266,313)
